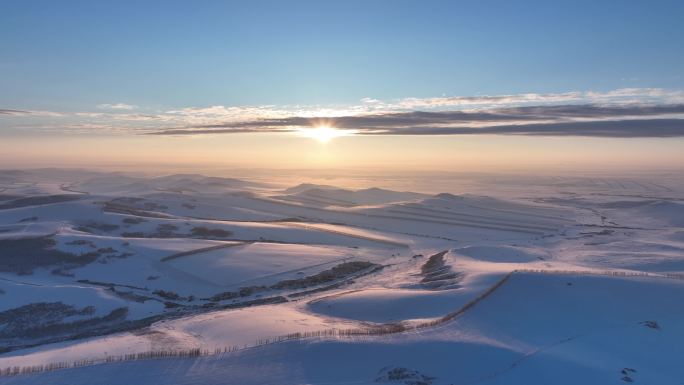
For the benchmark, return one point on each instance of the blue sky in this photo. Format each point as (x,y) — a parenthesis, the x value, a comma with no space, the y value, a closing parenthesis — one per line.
(74,55)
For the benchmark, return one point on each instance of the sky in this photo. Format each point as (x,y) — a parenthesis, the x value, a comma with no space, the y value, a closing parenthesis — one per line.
(342,84)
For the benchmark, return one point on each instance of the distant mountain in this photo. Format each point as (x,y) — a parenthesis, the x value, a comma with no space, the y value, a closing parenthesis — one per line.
(333,196)
(308,186)
(123,184)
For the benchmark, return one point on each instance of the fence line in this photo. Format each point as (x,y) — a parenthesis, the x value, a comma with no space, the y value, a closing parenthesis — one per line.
(609,273)
(377,330)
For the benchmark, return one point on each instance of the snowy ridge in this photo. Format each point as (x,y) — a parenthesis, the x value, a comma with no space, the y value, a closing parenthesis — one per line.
(219,276)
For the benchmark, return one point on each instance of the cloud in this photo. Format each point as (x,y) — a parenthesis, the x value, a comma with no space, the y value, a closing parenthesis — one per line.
(637,128)
(565,113)
(204,131)
(116,106)
(566,120)
(20,113)
(13,112)
(619,96)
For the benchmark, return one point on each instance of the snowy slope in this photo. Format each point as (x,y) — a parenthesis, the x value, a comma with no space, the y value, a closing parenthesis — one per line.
(596,296)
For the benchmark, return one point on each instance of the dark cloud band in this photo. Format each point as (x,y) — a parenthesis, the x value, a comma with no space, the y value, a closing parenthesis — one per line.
(629,121)
(649,128)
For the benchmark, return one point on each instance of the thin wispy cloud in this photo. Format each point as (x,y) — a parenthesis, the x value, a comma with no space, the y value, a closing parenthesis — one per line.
(26,113)
(116,106)
(12,112)
(619,96)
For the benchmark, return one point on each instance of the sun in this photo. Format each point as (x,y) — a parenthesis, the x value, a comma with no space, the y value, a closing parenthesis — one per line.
(323,134)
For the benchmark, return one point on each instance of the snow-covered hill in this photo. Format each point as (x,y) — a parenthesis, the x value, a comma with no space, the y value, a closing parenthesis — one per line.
(320,284)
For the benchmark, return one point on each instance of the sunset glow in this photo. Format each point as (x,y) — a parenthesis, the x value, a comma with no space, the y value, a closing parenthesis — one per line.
(323,134)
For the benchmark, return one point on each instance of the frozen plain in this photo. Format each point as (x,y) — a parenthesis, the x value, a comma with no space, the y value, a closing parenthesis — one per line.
(487,280)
